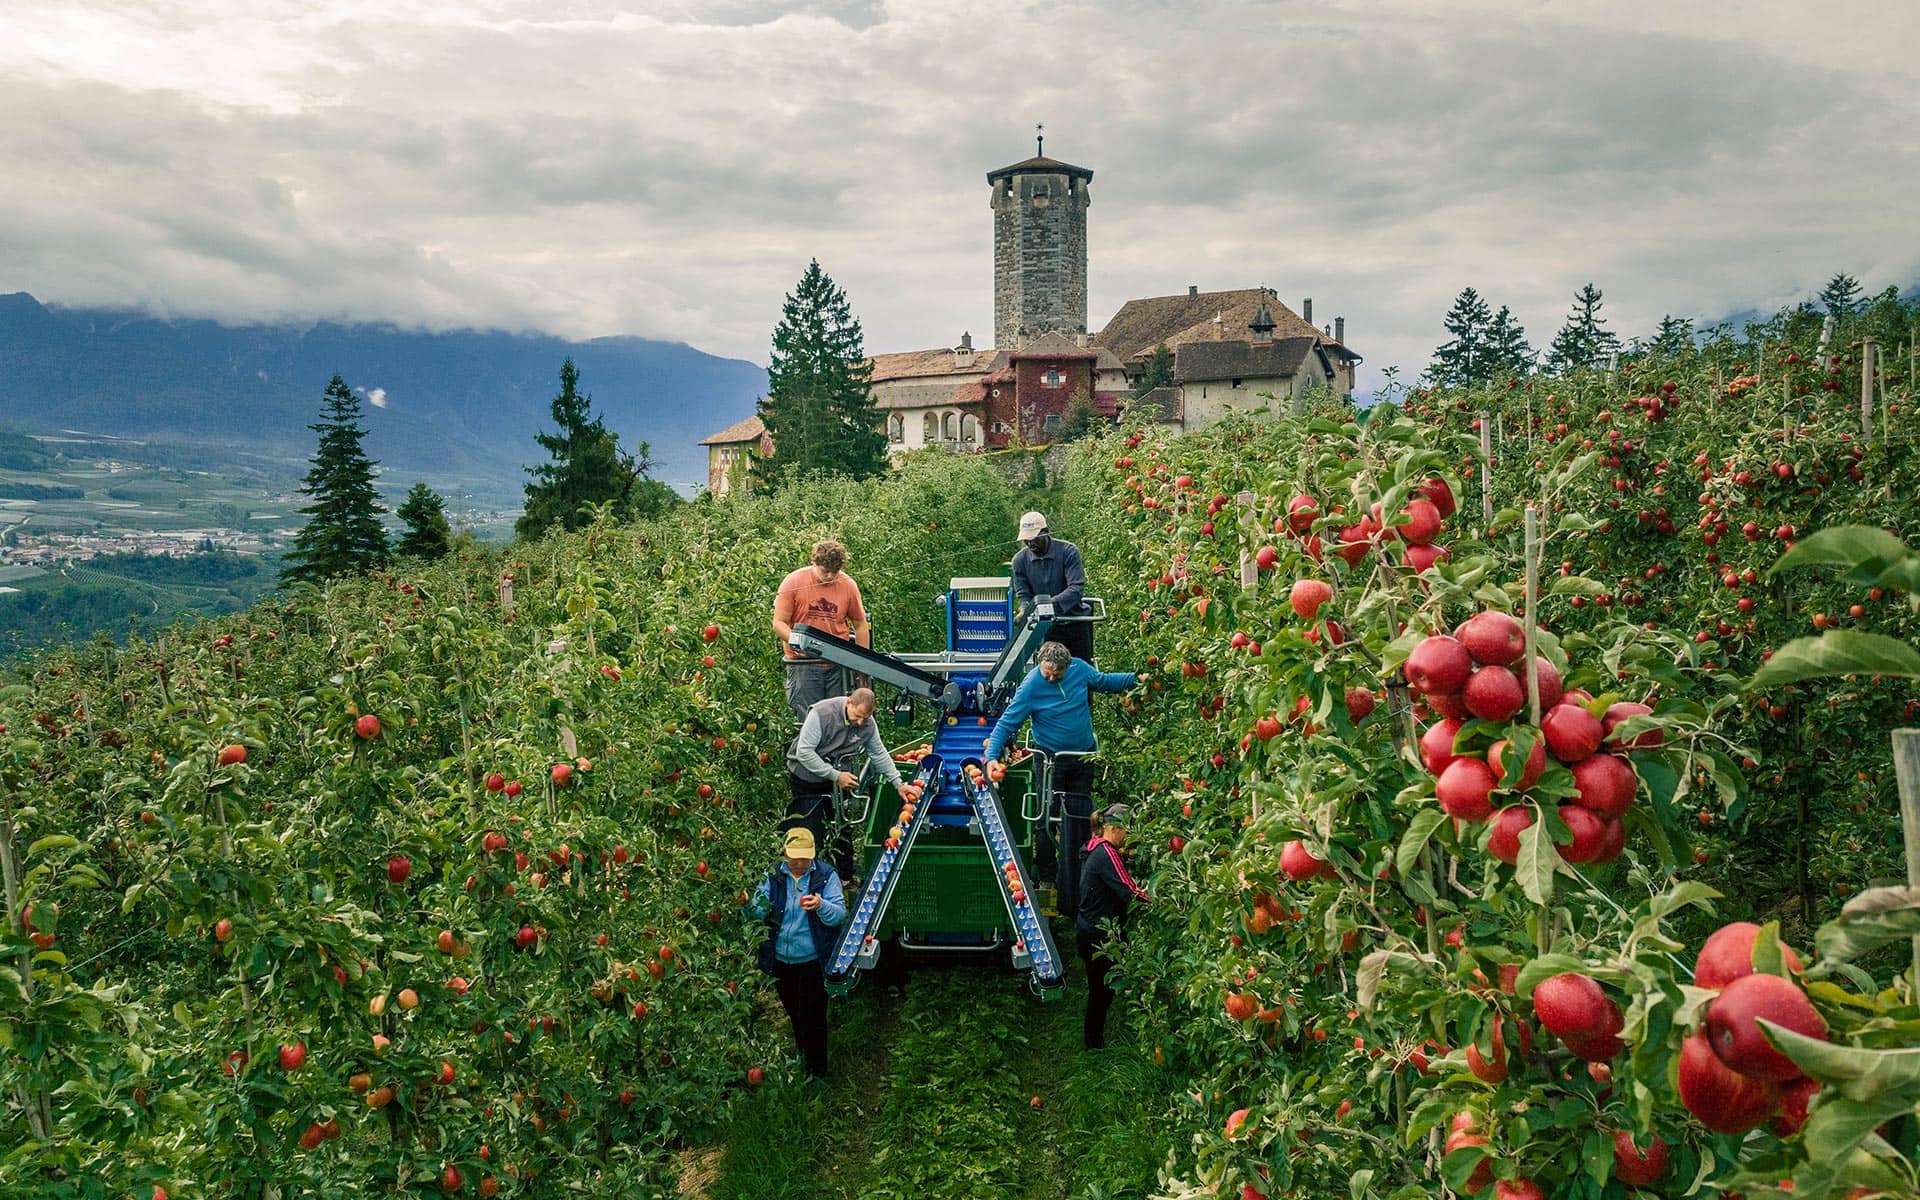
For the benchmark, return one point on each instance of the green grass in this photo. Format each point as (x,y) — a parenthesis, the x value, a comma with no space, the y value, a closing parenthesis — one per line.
(932,1097)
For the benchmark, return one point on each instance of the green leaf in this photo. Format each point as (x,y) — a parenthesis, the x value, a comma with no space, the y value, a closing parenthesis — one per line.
(1842,546)
(1837,652)
(1576,585)
(1546,967)
(1838,1125)
(1856,1073)
(53,841)
(1870,920)
(1537,862)
(1419,831)
(1767,959)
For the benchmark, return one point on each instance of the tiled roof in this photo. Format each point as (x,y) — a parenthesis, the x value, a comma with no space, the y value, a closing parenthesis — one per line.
(1040,166)
(912,364)
(1054,345)
(1142,325)
(750,430)
(1197,362)
(1168,400)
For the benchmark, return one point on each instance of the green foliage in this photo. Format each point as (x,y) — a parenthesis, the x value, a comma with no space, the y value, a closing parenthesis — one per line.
(1484,345)
(1841,296)
(424,514)
(12,490)
(818,408)
(343,532)
(586,469)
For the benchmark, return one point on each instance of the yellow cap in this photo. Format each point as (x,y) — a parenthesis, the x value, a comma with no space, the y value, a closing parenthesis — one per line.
(800,843)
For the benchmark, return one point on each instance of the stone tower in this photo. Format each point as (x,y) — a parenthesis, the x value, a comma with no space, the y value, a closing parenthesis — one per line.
(1039,249)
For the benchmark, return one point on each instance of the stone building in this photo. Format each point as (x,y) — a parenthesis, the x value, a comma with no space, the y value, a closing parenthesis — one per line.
(1039,249)
(1231,349)
(730,454)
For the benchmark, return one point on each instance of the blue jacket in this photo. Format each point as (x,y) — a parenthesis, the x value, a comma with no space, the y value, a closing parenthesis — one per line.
(799,935)
(1062,712)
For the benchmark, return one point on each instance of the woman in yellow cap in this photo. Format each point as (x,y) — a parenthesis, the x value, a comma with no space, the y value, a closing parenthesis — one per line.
(800,935)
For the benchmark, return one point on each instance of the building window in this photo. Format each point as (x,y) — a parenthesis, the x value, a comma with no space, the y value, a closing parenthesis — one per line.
(929,429)
(952,433)
(1236,384)
(896,429)
(1052,377)
(969,430)
(1052,423)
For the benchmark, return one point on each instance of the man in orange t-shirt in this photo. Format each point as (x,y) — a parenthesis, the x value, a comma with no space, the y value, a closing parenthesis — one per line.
(823,596)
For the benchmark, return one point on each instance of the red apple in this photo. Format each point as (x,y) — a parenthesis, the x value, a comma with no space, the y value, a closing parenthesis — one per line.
(1530,773)
(1493,638)
(1494,694)
(367,727)
(1572,733)
(1734,1033)
(1438,664)
(1504,842)
(1465,789)
(1727,955)
(1307,597)
(1606,784)
(1724,1100)
(398,868)
(1638,1167)
(1436,744)
(293,1055)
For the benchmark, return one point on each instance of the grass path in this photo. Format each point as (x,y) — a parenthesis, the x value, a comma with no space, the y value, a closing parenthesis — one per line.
(933,1098)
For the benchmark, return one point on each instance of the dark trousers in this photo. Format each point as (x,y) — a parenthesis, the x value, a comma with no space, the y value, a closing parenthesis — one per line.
(1076,636)
(803,993)
(812,807)
(1072,804)
(1092,945)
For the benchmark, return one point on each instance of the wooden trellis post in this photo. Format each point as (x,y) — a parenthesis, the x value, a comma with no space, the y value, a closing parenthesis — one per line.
(1906,769)
(1486,468)
(1866,389)
(1249,532)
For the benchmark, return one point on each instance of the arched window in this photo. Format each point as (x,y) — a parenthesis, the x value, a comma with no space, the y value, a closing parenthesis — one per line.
(969,429)
(952,433)
(896,429)
(929,429)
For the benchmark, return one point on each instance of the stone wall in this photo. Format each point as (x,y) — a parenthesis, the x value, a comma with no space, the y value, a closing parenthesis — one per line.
(1017,466)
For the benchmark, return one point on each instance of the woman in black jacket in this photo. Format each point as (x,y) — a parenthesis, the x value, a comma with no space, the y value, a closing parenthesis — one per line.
(1106,891)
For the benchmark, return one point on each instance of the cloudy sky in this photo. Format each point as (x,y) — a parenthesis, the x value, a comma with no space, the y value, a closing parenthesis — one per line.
(667,167)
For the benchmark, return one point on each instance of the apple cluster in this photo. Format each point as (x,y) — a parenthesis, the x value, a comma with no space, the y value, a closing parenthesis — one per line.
(1730,1076)
(1473,674)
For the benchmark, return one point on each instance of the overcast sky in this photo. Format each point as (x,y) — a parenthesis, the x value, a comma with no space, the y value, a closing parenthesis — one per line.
(666,168)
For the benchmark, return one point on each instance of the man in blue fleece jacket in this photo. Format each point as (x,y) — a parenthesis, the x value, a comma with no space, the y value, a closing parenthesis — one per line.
(1058,697)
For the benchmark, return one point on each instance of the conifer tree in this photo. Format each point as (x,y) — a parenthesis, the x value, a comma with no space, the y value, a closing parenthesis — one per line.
(343,531)
(1159,372)
(428,535)
(1508,353)
(1674,336)
(1841,295)
(818,408)
(1463,359)
(1584,341)
(584,467)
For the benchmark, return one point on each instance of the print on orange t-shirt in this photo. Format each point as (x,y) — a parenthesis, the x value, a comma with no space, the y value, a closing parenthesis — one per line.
(828,607)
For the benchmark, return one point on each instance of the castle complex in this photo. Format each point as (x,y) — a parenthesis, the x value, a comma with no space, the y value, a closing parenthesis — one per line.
(1238,349)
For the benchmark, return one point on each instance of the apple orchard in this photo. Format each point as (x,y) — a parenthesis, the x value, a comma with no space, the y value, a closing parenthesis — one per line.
(1492,850)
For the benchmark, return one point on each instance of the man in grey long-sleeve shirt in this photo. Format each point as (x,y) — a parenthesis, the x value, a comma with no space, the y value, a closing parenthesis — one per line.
(834,728)
(1049,569)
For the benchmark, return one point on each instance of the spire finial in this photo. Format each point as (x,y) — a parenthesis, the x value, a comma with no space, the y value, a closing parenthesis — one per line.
(1039,141)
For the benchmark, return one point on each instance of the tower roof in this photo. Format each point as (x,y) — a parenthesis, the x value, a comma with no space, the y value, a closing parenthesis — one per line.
(1040,164)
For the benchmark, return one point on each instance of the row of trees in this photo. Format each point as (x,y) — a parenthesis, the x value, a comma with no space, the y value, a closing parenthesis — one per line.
(1484,345)
(818,410)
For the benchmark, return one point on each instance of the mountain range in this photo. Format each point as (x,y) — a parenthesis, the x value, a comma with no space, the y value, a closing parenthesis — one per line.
(458,409)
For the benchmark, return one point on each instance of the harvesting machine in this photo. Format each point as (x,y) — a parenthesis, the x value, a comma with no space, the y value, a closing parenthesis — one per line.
(951,874)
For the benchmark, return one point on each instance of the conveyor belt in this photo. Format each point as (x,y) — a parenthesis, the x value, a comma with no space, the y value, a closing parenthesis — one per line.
(843,652)
(1033,946)
(857,948)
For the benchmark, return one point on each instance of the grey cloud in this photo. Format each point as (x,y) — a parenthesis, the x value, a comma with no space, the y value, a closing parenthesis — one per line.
(667,170)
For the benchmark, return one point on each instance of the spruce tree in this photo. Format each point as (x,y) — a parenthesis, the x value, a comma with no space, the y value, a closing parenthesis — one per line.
(428,535)
(818,408)
(1675,335)
(1463,359)
(1841,296)
(343,531)
(1584,341)
(585,465)
(1159,372)
(1508,353)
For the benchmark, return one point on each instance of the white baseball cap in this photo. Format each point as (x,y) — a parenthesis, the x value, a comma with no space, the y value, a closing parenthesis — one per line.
(1032,525)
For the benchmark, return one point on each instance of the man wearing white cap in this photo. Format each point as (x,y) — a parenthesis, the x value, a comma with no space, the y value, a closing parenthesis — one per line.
(1050,569)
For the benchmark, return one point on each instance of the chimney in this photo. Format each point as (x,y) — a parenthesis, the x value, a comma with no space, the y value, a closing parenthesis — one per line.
(1306,310)
(963,354)
(1340,330)
(1193,289)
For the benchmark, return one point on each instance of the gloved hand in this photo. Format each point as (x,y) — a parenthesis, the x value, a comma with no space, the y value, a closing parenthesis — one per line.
(1021,614)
